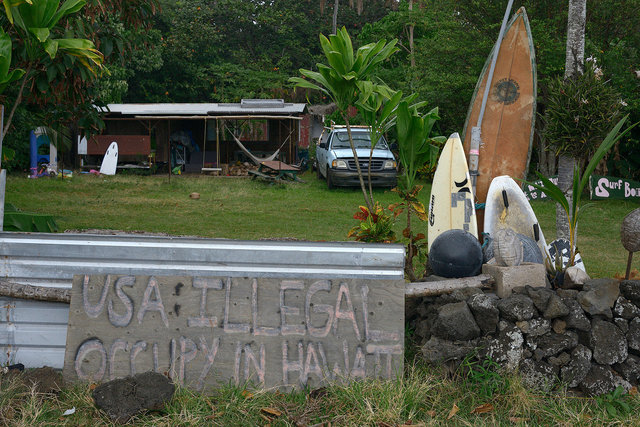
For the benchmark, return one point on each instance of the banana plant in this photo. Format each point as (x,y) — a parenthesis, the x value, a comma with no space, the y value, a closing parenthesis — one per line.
(415,150)
(7,76)
(340,77)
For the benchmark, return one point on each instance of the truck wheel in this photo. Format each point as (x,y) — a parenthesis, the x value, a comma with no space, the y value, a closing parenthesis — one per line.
(330,184)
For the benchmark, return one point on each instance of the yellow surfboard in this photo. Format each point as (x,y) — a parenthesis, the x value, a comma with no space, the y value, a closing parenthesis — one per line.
(451,204)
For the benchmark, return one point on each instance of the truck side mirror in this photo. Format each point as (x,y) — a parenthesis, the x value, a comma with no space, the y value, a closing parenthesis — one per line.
(323,145)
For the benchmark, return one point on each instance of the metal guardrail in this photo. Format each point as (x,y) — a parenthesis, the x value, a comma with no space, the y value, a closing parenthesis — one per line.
(34,332)
(52,259)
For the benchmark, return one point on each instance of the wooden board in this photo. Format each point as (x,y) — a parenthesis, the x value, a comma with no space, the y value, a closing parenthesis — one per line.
(129,144)
(509,117)
(508,207)
(451,205)
(206,332)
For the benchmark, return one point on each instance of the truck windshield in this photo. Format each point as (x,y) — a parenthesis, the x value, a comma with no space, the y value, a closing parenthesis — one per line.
(360,140)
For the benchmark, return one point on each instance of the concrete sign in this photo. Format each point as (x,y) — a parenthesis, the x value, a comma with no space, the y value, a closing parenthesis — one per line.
(203,332)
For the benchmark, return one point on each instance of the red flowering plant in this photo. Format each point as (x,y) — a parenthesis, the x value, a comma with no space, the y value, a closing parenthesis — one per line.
(416,244)
(375,226)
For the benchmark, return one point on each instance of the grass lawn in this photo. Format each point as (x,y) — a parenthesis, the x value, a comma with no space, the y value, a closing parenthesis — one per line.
(238,208)
(244,209)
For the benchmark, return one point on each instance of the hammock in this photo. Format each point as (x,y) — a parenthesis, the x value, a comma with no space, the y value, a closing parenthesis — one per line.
(255,159)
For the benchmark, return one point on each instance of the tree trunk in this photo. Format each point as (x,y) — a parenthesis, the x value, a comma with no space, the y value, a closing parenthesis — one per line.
(574,61)
(411,53)
(17,101)
(566,165)
(574,64)
(335,16)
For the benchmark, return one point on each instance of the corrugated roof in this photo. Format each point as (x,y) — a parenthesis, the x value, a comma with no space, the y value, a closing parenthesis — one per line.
(247,106)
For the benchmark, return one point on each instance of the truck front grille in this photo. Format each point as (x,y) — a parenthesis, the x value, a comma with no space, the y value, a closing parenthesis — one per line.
(376,164)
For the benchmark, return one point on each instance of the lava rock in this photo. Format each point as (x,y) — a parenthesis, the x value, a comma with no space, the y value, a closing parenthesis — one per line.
(534,327)
(552,344)
(465,293)
(629,369)
(608,343)
(578,367)
(123,398)
(538,375)
(456,323)
(576,319)
(555,308)
(506,349)
(561,360)
(622,324)
(598,296)
(485,311)
(602,379)
(517,307)
(633,336)
(567,293)
(540,297)
(438,351)
(559,326)
(630,289)
(625,309)
(574,277)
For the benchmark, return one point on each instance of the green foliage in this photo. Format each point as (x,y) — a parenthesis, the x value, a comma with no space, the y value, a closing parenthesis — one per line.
(7,76)
(483,376)
(573,208)
(15,220)
(375,226)
(415,143)
(616,403)
(579,111)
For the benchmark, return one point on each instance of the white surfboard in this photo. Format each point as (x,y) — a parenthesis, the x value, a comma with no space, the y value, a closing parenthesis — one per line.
(507,206)
(451,205)
(110,160)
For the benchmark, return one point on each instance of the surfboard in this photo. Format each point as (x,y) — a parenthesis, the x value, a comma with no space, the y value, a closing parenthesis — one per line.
(507,206)
(509,117)
(560,247)
(451,204)
(110,160)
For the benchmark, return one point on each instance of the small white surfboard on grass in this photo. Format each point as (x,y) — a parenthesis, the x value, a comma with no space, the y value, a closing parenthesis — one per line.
(451,205)
(110,160)
(508,207)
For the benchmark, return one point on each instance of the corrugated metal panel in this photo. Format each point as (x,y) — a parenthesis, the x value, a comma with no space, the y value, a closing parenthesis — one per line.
(34,333)
(201,109)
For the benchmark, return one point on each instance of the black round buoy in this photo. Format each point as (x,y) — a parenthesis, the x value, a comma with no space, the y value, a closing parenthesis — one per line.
(455,253)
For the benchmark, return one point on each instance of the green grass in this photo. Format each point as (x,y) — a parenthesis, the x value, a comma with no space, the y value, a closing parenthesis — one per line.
(238,208)
(423,396)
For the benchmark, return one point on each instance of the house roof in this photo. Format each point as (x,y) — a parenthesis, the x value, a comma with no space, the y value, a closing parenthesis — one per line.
(245,107)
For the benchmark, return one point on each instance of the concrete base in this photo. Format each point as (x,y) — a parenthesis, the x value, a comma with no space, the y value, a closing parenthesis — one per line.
(508,278)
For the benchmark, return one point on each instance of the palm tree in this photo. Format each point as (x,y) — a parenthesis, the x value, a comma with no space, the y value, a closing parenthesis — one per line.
(574,64)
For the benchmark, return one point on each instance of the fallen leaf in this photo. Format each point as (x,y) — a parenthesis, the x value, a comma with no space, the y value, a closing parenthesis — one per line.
(633,391)
(483,409)
(453,411)
(272,412)
(247,394)
(431,413)
(92,387)
(517,419)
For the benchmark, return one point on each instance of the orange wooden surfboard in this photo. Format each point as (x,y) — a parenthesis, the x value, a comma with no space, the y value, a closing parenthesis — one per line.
(509,117)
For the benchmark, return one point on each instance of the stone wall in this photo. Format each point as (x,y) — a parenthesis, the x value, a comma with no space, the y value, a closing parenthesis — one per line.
(587,339)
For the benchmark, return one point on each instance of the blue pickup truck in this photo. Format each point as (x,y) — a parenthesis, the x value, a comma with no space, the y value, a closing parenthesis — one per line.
(335,161)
